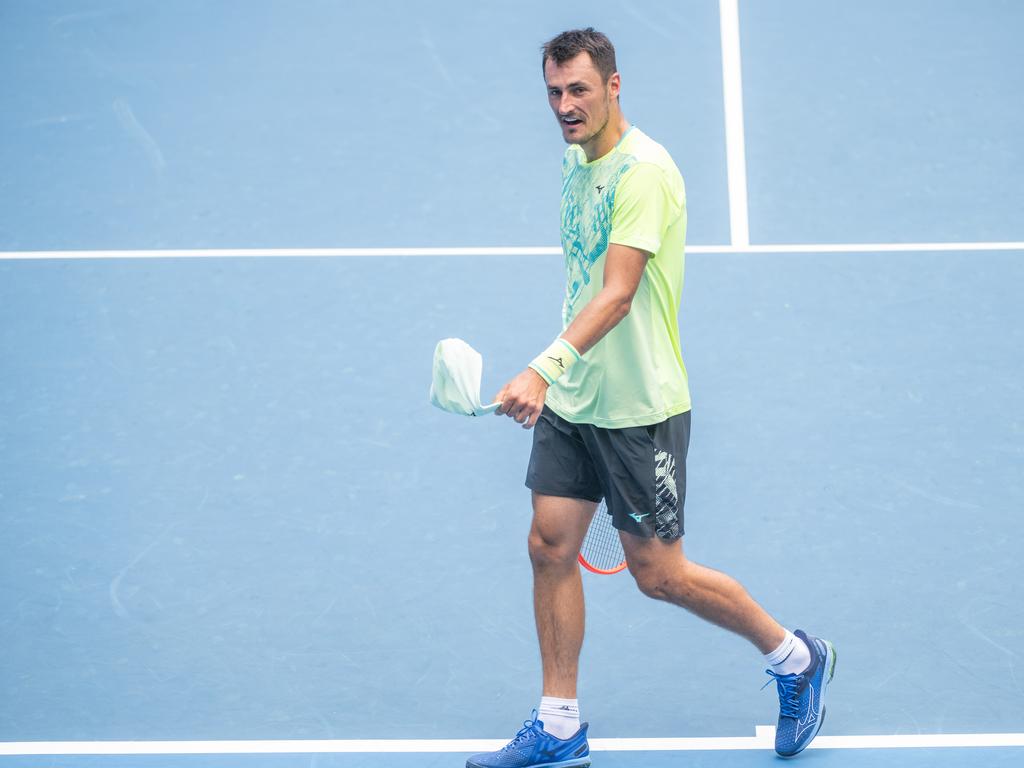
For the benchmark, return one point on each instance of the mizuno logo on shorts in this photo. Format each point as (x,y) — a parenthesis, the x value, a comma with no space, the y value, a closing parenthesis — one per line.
(638,517)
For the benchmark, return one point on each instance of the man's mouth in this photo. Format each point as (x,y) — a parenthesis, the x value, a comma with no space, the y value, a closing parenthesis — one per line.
(572,120)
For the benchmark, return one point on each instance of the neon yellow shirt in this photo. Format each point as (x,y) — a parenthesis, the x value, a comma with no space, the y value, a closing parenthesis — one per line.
(633,196)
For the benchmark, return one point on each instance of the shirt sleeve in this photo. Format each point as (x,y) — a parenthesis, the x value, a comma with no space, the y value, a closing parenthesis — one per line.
(644,208)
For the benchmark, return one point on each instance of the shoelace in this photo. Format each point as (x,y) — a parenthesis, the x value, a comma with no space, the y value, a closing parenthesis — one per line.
(789,692)
(524,732)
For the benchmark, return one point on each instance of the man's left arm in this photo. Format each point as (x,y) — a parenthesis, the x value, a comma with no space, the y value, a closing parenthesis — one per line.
(523,397)
(645,205)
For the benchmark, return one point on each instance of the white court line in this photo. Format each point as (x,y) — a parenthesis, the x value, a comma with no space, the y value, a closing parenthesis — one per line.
(250,253)
(735,144)
(247,253)
(764,739)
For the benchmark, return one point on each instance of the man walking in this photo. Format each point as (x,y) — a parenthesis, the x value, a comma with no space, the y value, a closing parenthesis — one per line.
(611,406)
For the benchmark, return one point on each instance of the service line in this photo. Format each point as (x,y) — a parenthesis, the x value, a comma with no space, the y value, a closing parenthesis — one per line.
(335,253)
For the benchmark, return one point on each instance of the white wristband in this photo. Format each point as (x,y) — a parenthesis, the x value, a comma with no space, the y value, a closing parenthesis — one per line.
(555,360)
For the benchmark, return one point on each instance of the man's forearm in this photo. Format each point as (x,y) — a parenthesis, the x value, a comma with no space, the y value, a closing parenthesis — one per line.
(602,313)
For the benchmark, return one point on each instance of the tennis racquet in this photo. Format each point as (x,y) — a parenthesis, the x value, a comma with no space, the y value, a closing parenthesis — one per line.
(601,551)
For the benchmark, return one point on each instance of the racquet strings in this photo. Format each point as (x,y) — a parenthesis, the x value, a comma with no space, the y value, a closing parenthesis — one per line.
(602,548)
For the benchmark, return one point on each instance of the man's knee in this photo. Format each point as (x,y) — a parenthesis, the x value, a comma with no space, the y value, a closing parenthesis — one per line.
(660,582)
(547,552)
(651,582)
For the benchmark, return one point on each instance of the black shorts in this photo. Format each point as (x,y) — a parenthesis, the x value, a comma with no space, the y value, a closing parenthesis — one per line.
(640,471)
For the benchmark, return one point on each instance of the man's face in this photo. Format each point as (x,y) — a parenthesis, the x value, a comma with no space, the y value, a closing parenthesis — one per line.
(580,99)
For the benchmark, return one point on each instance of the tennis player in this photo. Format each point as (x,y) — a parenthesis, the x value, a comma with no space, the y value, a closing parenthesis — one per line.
(610,404)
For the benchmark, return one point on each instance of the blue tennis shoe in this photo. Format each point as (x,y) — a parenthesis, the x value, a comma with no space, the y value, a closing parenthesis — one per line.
(802,698)
(533,747)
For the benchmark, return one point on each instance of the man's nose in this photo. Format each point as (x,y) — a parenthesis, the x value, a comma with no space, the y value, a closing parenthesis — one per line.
(565,105)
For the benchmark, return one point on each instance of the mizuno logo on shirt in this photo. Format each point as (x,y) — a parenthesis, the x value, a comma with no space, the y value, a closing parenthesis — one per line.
(599,188)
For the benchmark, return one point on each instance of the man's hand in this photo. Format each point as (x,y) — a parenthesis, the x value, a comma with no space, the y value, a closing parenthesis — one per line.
(523,398)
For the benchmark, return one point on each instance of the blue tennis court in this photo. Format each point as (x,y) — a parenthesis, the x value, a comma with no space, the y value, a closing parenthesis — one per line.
(234,526)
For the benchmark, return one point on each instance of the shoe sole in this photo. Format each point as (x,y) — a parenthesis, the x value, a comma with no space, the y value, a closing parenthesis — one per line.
(567,764)
(830,663)
(583,762)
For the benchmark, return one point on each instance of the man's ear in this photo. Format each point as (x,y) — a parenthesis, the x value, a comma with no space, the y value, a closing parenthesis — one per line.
(614,85)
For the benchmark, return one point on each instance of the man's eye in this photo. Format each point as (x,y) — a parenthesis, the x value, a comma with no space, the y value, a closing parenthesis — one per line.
(552,92)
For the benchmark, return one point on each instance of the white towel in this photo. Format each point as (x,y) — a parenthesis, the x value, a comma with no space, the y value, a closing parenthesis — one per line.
(455,388)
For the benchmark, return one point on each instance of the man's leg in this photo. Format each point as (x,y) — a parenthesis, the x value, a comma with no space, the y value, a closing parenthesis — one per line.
(559,525)
(663,572)
(561,476)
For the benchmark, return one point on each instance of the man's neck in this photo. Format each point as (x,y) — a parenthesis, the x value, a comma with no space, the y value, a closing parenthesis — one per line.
(605,141)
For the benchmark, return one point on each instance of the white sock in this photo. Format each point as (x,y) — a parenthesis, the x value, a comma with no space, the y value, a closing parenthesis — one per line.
(561,717)
(791,657)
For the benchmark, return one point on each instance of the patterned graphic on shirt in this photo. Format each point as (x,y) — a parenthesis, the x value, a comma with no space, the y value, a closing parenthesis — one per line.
(588,197)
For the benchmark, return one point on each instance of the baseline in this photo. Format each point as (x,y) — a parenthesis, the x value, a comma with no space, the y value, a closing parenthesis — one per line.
(764,738)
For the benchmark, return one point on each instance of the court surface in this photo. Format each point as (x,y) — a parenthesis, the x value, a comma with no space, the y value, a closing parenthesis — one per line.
(234,526)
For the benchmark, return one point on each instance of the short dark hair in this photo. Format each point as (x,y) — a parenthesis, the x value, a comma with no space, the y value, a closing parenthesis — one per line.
(573,42)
